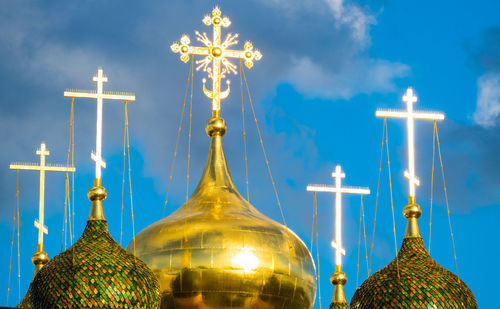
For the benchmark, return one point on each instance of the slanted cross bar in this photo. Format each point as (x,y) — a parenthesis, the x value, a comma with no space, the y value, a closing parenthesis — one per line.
(338,190)
(100,95)
(43,167)
(410,115)
(217,53)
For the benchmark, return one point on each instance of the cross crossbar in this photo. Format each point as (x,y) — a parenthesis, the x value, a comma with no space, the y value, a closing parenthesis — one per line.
(416,115)
(330,189)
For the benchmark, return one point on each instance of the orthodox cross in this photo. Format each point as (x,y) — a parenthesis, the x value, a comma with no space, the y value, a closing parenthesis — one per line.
(43,167)
(410,115)
(216,53)
(100,95)
(338,190)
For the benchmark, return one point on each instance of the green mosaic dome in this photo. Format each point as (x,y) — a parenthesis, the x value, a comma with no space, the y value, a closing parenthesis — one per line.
(338,306)
(26,301)
(423,283)
(96,272)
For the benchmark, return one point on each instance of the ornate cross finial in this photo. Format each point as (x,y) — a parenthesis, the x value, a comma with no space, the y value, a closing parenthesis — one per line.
(338,190)
(100,95)
(410,115)
(43,167)
(216,53)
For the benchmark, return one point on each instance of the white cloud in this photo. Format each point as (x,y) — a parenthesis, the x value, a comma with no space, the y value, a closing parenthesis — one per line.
(352,16)
(355,17)
(360,76)
(488,100)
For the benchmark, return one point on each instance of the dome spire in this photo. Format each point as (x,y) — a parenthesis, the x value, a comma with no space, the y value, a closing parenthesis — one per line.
(338,278)
(217,53)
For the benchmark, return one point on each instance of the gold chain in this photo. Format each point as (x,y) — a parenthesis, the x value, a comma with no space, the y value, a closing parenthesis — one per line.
(359,248)
(16,204)
(72,225)
(178,136)
(362,222)
(189,155)
(264,150)
(377,196)
(244,133)
(189,137)
(65,217)
(315,207)
(18,248)
(392,203)
(432,181)
(123,173)
(447,205)
(69,200)
(364,231)
(130,179)
(313,222)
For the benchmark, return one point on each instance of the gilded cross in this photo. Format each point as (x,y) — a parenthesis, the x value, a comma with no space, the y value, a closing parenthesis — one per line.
(217,53)
(43,167)
(410,115)
(100,95)
(338,190)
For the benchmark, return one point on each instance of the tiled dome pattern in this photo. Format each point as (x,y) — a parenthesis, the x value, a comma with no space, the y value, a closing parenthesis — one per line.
(423,283)
(95,272)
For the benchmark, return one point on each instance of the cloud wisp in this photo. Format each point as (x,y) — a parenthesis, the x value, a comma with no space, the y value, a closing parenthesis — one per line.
(488,100)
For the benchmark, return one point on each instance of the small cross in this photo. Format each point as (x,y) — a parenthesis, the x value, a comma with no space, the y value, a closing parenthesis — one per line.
(217,53)
(100,95)
(410,115)
(338,190)
(43,167)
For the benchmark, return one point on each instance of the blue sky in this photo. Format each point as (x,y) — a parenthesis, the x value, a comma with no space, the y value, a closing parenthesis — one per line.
(327,66)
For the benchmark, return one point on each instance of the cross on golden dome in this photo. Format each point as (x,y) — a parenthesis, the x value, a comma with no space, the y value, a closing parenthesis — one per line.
(217,53)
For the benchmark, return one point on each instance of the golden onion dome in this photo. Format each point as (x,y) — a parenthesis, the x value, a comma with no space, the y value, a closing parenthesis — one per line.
(218,251)
(413,279)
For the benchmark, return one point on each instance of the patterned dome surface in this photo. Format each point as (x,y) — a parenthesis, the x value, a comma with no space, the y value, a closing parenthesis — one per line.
(423,283)
(338,306)
(95,272)
(26,301)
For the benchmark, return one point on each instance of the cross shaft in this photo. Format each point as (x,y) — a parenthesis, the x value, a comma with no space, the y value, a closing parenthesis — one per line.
(217,53)
(410,116)
(99,95)
(43,167)
(338,190)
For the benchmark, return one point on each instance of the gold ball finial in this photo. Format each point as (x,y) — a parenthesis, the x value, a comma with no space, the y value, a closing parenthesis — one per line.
(97,192)
(40,258)
(338,277)
(412,210)
(216,126)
